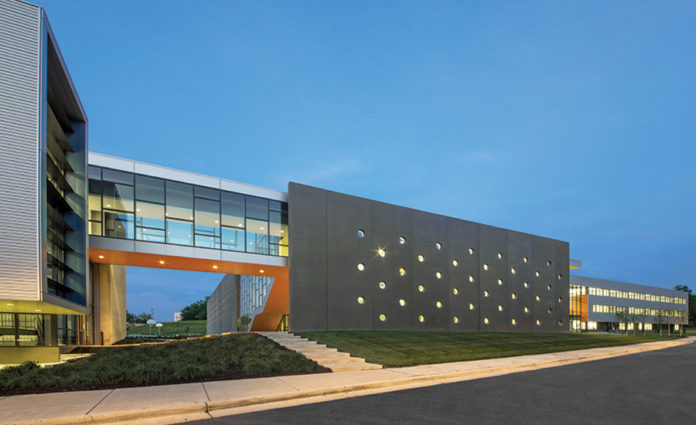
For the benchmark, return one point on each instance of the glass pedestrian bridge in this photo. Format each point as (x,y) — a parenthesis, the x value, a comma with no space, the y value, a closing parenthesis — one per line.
(141,213)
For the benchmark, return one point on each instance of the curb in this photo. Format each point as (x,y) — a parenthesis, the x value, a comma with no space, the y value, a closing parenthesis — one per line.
(204,409)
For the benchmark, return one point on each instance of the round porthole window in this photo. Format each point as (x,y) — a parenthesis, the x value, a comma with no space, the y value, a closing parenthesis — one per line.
(421,258)
(402,240)
(402,271)
(361,266)
(402,302)
(421,288)
(381,252)
(455,291)
(361,300)
(438,246)
(471,251)
(382,285)
(438,304)
(438,275)
(455,319)
(361,233)
(421,318)
(382,317)
(455,263)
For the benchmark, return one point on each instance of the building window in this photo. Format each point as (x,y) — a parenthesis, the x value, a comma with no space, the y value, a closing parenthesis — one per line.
(361,233)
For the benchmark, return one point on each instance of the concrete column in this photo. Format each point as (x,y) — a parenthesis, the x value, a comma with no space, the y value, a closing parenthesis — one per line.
(109,300)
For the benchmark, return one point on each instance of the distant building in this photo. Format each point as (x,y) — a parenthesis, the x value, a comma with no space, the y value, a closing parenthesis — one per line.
(594,304)
(177,316)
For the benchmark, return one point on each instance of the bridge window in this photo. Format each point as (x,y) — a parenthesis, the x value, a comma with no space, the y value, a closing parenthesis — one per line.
(149,223)
(118,204)
(179,213)
(95,201)
(257,236)
(149,189)
(232,239)
(257,208)
(207,223)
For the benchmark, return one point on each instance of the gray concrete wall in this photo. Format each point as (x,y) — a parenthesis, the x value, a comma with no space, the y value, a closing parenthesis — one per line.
(325,282)
(223,306)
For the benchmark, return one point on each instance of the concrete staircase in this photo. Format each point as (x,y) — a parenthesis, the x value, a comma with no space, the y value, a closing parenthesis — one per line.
(325,356)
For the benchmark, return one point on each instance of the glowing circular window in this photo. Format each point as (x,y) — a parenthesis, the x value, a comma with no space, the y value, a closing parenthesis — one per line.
(471,251)
(471,306)
(538,298)
(500,282)
(455,319)
(500,307)
(500,256)
(485,294)
(381,252)
(382,317)
(485,266)
(421,318)
(538,322)
(455,291)
(514,322)
(548,263)
(471,279)
(549,311)
(455,263)
(513,270)
(537,273)
(438,275)
(560,276)
(361,233)
(525,259)
(438,304)
(421,258)
(402,240)
(382,285)
(421,288)
(526,309)
(485,320)
(548,287)
(526,284)
(361,300)
(513,296)
(361,266)
(402,271)
(438,246)
(402,302)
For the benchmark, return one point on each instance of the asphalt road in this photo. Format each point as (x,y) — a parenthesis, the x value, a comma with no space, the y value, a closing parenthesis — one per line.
(657,387)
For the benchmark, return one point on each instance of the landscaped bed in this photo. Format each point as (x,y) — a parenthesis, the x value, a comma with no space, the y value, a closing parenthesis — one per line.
(207,359)
(408,348)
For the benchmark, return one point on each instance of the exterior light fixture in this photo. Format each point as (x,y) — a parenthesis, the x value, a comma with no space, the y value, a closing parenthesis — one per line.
(161,261)
(381,252)
(101,257)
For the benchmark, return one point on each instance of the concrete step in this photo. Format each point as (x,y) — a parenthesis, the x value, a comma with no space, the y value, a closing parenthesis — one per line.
(308,344)
(345,367)
(327,355)
(316,350)
(341,360)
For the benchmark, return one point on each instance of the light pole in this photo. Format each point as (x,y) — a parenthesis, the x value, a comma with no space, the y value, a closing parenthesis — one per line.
(159,327)
(151,322)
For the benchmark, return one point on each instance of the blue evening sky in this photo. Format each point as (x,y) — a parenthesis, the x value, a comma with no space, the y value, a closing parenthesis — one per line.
(572,120)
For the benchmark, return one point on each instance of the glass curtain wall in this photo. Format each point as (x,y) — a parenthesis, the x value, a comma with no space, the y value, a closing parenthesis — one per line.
(132,206)
(27,330)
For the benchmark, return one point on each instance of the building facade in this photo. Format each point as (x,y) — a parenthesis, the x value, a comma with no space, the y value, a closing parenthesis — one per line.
(301,259)
(606,305)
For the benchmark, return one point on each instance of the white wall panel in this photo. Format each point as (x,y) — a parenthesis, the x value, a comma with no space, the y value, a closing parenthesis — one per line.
(20,47)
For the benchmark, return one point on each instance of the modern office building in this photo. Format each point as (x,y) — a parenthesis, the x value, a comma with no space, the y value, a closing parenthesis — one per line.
(301,259)
(595,303)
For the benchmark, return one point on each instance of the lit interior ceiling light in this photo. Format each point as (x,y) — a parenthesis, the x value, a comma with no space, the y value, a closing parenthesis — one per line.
(161,261)
(101,257)
(262,271)
(215,266)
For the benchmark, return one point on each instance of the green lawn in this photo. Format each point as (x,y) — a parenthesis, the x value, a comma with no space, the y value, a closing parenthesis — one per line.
(183,328)
(407,348)
(207,359)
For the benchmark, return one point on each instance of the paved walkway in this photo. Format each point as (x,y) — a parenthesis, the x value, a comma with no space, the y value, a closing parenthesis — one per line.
(179,403)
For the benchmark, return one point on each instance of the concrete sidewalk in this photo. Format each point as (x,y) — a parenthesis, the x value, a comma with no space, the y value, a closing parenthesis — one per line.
(185,402)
